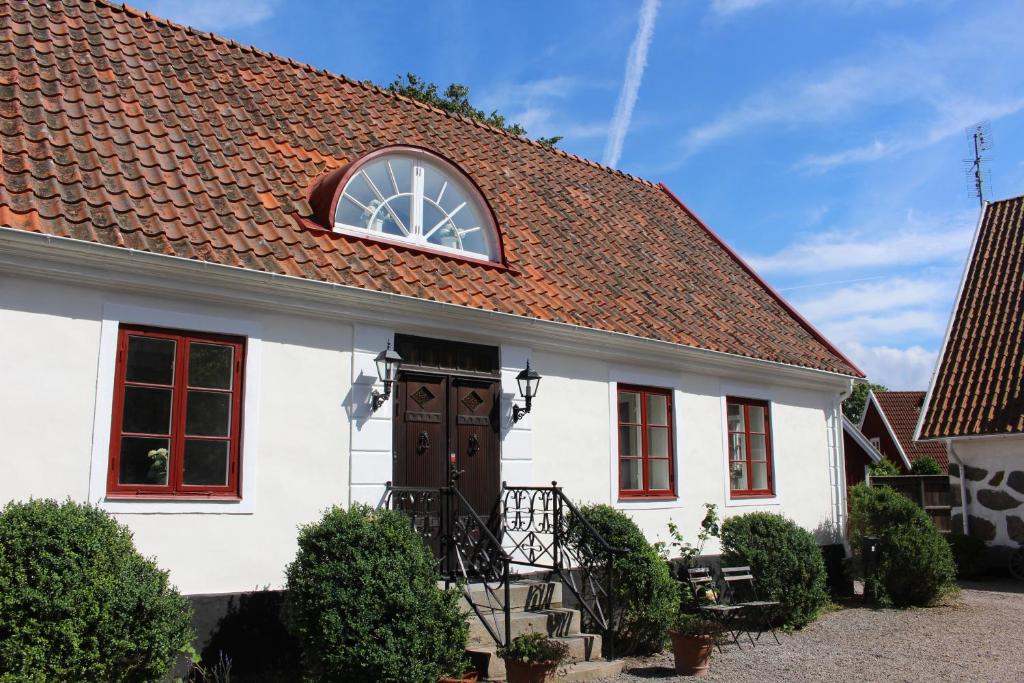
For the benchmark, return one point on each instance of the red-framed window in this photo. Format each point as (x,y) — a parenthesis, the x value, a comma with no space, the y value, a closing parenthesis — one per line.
(646,467)
(176,427)
(750,447)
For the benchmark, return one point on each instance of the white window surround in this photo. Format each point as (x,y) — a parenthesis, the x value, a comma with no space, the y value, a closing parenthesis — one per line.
(760,393)
(113,316)
(645,378)
(408,196)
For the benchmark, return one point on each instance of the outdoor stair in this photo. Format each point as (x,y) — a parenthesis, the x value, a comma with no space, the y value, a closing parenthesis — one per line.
(536,606)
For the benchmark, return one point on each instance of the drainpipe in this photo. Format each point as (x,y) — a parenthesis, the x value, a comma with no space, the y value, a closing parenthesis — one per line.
(952,455)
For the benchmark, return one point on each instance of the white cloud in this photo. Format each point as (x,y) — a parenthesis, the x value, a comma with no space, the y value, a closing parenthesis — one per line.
(920,240)
(214,15)
(726,7)
(884,294)
(897,368)
(636,63)
(918,324)
(538,106)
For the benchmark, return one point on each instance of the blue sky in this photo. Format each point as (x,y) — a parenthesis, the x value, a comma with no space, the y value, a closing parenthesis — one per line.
(823,139)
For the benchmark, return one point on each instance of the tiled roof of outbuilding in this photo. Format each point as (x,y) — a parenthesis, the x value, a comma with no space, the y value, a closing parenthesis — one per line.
(127,130)
(901,409)
(979,386)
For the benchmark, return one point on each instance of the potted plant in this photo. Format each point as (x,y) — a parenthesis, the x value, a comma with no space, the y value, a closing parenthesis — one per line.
(459,671)
(693,639)
(532,658)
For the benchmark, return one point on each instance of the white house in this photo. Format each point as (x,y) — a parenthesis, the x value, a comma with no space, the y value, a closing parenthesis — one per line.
(204,247)
(975,403)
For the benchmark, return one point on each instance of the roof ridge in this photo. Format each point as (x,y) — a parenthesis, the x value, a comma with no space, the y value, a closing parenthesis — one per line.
(369,85)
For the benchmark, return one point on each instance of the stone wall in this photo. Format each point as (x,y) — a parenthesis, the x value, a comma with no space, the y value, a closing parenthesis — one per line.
(994,490)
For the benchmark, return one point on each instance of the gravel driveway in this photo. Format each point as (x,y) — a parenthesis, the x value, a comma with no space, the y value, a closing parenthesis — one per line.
(977,637)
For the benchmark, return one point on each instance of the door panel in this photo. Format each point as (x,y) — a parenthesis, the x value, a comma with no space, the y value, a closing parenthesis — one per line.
(421,431)
(474,409)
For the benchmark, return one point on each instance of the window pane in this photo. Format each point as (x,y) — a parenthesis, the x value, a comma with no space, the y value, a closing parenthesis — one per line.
(630,476)
(756,419)
(206,463)
(737,447)
(658,475)
(629,407)
(209,365)
(143,461)
(657,409)
(738,476)
(758,450)
(208,414)
(657,442)
(629,441)
(150,360)
(759,478)
(735,413)
(146,410)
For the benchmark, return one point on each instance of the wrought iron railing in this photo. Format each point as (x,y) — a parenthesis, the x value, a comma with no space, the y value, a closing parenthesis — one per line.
(530,526)
(541,528)
(467,551)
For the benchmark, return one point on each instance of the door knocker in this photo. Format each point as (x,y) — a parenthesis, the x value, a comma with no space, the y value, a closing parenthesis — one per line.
(474,445)
(424,444)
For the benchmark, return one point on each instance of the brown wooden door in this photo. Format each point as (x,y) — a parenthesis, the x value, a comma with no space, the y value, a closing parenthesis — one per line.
(443,419)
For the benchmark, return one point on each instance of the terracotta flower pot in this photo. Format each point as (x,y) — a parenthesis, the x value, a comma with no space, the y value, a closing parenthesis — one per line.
(692,653)
(468,677)
(528,672)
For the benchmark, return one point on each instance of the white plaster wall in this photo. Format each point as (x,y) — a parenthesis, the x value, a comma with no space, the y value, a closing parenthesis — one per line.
(574,433)
(49,360)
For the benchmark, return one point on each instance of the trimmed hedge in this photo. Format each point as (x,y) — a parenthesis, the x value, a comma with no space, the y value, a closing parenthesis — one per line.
(646,595)
(786,562)
(915,566)
(364,604)
(79,603)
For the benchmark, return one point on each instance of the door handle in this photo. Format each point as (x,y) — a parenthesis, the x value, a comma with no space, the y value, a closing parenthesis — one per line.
(474,445)
(423,444)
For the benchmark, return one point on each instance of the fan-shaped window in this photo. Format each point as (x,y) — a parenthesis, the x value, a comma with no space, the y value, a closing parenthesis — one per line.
(411,196)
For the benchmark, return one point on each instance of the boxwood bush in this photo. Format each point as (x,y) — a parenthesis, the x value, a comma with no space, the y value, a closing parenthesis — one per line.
(364,604)
(786,562)
(79,603)
(915,566)
(646,596)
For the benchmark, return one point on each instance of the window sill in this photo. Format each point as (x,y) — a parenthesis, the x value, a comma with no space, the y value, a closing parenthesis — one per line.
(171,497)
(629,498)
(752,499)
(182,504)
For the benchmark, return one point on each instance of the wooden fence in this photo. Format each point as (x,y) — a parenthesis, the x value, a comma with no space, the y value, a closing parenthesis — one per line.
(929,491)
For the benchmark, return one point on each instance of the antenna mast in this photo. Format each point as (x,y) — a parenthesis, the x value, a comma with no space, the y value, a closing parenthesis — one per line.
(980,143)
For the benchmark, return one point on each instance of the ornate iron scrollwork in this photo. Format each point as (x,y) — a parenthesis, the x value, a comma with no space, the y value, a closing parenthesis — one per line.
(423,444)
(474,445)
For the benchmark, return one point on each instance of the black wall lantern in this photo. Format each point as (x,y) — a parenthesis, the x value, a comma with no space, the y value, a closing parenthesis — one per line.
(388,362)
(528,381)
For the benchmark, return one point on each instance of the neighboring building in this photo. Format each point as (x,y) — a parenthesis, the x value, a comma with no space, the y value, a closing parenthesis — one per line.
(975,402)
(888,423)
(204,247)
(859,454)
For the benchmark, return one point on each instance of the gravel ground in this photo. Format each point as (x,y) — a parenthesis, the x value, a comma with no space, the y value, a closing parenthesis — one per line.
(976,637)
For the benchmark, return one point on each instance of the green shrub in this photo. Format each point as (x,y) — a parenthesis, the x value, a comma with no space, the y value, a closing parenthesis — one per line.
(884,468)
(926,465)
(364,604)
(968,554)
(915,565)
(689,624)
(646,596)
(79,603)
(786,562)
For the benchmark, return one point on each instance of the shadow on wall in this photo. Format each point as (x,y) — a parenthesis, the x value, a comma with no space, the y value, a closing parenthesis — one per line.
(253,636)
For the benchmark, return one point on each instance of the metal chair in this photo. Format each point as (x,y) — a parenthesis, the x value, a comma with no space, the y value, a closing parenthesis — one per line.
(742,592)
(702,583)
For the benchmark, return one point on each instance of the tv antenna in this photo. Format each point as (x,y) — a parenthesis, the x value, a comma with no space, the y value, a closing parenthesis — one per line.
(979,139)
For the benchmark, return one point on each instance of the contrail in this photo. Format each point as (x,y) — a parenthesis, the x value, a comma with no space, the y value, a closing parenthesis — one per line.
(635,65)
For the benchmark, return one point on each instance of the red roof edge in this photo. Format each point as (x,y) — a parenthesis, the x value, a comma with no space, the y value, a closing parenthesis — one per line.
(767,287)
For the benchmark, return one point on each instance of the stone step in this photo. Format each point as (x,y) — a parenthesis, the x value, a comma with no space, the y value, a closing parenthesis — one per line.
(590,671)
(551,622)
(523,595)
(583,648)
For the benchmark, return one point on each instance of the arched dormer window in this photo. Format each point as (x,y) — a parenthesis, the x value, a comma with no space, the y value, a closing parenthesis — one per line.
(408,195)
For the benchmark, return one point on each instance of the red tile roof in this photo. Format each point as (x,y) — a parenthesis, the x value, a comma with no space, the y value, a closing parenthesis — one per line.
(979,386)
(128,130)
(901,409)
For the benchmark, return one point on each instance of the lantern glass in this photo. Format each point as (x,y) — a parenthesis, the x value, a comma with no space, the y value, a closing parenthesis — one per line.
(528,381)
(388,362)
